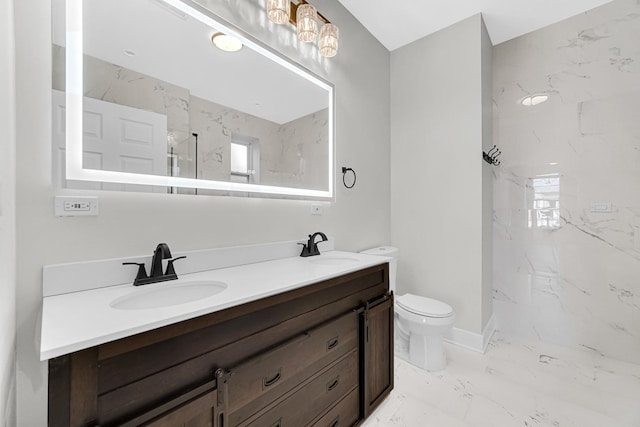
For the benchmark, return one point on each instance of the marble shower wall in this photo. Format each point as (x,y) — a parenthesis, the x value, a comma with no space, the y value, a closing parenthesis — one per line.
(562,272)
(293,154)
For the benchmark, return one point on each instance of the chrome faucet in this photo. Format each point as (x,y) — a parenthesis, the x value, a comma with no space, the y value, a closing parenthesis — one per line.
(156,274)
(311,248)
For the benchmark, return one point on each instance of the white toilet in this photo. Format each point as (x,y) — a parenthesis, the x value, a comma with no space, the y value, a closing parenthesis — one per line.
(421,323)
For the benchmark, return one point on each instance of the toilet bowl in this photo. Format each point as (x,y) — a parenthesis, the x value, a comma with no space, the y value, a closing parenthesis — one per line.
(421,323)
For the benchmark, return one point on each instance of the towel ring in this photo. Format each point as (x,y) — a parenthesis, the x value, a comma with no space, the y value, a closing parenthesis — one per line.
(344,177)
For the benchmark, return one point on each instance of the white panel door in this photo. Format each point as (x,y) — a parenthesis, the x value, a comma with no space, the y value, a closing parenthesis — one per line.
(115,138)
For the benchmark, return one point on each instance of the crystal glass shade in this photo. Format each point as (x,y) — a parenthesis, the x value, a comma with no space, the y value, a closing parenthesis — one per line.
(306,17)
(328,41)
(279,11)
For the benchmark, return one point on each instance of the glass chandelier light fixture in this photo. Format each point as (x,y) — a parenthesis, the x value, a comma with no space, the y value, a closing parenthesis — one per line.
(279,11)
(307,27)
(304,17)
(328,41)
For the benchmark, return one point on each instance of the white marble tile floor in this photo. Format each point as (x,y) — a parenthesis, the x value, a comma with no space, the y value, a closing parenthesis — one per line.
(518,382)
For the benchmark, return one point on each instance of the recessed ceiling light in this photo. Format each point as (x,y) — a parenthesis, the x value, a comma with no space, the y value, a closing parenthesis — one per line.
(129,52)
(226,43)
(530,101)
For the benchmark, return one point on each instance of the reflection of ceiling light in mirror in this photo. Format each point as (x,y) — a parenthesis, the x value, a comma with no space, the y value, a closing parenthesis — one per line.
(226,43)
(129,52)
(553,163)
(530,101)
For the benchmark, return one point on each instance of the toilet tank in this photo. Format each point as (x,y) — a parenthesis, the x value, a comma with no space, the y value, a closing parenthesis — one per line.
(390,252)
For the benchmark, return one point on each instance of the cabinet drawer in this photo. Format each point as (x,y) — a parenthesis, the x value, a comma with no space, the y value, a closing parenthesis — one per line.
(313,398)
(344,414)
(261,380)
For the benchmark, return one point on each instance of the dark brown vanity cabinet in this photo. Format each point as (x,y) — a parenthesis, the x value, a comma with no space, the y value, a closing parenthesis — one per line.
(320,355)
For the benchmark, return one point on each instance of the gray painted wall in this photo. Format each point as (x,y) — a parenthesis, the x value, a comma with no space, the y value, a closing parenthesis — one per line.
(487,176)
(131,224)
(7,217)
(437,188)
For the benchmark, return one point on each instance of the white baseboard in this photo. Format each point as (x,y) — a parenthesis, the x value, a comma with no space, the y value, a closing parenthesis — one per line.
(472,340)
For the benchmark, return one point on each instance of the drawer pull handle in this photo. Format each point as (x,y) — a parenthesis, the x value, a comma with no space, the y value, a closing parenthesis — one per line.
(336,422)
(333,384)
(277,423)
(267,382)
(332,343)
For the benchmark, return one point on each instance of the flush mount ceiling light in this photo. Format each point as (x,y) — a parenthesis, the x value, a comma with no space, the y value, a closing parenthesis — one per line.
(530,101)
(225,42)
(304,17)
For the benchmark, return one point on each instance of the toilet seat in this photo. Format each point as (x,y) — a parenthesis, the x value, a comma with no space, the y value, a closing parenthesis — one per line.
(424,306)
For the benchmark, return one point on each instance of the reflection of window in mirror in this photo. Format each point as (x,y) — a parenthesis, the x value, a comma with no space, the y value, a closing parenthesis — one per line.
(245,159)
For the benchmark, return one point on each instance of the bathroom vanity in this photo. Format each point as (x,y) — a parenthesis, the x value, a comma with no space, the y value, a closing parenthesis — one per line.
(320,354)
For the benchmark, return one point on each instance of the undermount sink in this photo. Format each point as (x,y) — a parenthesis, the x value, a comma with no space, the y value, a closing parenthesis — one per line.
(332,260)
(167,294)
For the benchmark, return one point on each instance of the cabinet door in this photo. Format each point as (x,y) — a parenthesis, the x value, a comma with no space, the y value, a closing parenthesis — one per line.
(193,409)
(200,412)
(377,352)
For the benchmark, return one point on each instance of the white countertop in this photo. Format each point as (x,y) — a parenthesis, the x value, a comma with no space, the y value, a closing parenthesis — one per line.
(79,320)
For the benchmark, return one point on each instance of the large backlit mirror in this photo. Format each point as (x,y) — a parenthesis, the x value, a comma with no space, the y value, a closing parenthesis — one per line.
(144,101)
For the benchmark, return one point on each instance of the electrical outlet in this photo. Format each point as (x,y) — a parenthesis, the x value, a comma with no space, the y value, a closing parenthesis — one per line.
(76,206)
(601,207)
(316,209)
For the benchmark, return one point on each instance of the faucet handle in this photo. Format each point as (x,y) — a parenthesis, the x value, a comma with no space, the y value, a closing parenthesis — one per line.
(142,272)
(170,270)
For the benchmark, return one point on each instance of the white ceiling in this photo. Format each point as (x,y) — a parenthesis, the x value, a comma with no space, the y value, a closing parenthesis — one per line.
(397,23)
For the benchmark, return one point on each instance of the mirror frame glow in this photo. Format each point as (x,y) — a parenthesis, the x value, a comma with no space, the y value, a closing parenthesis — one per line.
(74,115)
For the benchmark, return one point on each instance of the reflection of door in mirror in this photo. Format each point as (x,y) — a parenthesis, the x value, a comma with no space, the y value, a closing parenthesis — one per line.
(116,138)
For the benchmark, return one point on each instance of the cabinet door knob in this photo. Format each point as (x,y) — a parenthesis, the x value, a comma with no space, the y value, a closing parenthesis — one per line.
(267,382)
